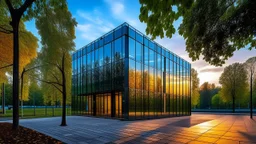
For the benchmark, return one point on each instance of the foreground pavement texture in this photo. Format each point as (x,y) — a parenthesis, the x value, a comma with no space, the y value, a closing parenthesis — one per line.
(199,128)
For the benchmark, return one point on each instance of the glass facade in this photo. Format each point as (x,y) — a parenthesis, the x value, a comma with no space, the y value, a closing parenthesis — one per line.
(126,75)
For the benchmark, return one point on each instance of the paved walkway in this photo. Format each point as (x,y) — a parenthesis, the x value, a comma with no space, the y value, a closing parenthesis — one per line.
(199,128)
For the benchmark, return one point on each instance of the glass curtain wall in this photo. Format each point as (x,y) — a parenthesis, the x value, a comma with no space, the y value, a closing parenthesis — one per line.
(159,81)
(98,76)
(126,75)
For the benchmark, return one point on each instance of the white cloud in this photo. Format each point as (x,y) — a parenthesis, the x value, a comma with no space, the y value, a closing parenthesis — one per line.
(90,17)
(92,25)
(119,12)
(117,8)
(83,27)
(90,36)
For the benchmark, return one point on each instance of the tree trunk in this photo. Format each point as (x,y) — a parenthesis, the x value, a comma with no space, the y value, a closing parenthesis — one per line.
(234,105)
(16,15)
(21,91)
(64,93)
(251,97)
(15,90)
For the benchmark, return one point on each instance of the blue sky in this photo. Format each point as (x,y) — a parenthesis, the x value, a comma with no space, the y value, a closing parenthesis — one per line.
(97,17)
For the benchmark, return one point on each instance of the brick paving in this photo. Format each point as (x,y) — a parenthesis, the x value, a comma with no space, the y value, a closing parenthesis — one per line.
(199,129)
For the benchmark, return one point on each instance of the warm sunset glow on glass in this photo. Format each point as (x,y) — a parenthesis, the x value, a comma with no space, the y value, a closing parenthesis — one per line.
(126,75)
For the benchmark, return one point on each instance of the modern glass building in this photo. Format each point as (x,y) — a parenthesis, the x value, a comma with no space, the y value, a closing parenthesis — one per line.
(125,75)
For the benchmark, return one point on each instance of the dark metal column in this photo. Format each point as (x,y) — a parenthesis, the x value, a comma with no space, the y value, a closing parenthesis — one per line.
(94,104)
(113,104)
(126,80)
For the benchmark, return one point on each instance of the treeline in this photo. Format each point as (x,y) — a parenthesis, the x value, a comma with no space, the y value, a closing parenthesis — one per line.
(35,96)
(238,84)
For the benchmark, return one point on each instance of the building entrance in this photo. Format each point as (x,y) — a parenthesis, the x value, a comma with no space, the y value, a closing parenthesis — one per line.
(108,105)
(118,104)
(103,105)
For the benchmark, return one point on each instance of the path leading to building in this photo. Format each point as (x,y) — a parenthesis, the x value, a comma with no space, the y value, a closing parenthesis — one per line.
(199,128)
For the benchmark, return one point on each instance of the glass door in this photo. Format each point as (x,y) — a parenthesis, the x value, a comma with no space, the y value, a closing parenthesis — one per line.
(103,105)
(118,104)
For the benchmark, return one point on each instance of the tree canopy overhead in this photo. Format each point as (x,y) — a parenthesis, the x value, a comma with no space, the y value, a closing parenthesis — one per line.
(213,29)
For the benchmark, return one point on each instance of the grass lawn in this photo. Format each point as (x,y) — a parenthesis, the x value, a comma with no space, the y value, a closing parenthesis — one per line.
(38,112)
(23,135)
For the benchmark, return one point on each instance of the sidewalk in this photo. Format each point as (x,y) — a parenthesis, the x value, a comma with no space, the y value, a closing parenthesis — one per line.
(199,128)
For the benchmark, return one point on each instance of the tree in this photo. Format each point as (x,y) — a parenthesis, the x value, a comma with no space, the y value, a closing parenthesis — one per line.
(195,87)
(251,68)
(28,46)
(57,29)
(207,91)
(234,82)
(8,94)
(254,93)
(15,11)
(213,29)
(217,101)
(16,14)
(35,94)
(21,10)
(26,80)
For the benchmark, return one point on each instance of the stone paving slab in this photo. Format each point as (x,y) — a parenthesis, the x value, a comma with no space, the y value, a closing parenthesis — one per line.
(198,128)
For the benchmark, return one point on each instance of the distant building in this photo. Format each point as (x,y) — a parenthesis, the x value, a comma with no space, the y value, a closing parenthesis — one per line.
(125,75)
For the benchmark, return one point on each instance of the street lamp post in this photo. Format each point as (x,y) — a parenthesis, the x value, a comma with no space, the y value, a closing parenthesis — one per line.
(34,105)
(3,98)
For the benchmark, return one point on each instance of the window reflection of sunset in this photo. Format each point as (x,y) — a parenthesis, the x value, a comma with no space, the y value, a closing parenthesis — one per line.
(174,85)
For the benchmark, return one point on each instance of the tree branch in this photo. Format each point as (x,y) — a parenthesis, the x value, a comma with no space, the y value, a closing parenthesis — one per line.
(9,5)
(24,7)
(6,31)
(26,70)
(52,83)
(55,77)
(57,65)
(6,66)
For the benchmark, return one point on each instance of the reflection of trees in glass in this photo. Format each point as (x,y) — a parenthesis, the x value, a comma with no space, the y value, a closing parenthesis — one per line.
(145,80)
(159,86)
(153,89)
(151,80)
(139,78)
(107,60)
(131,100)
(107,77)
(131,78)
(96,63)
(118,71)
(108,74)
(96,78)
